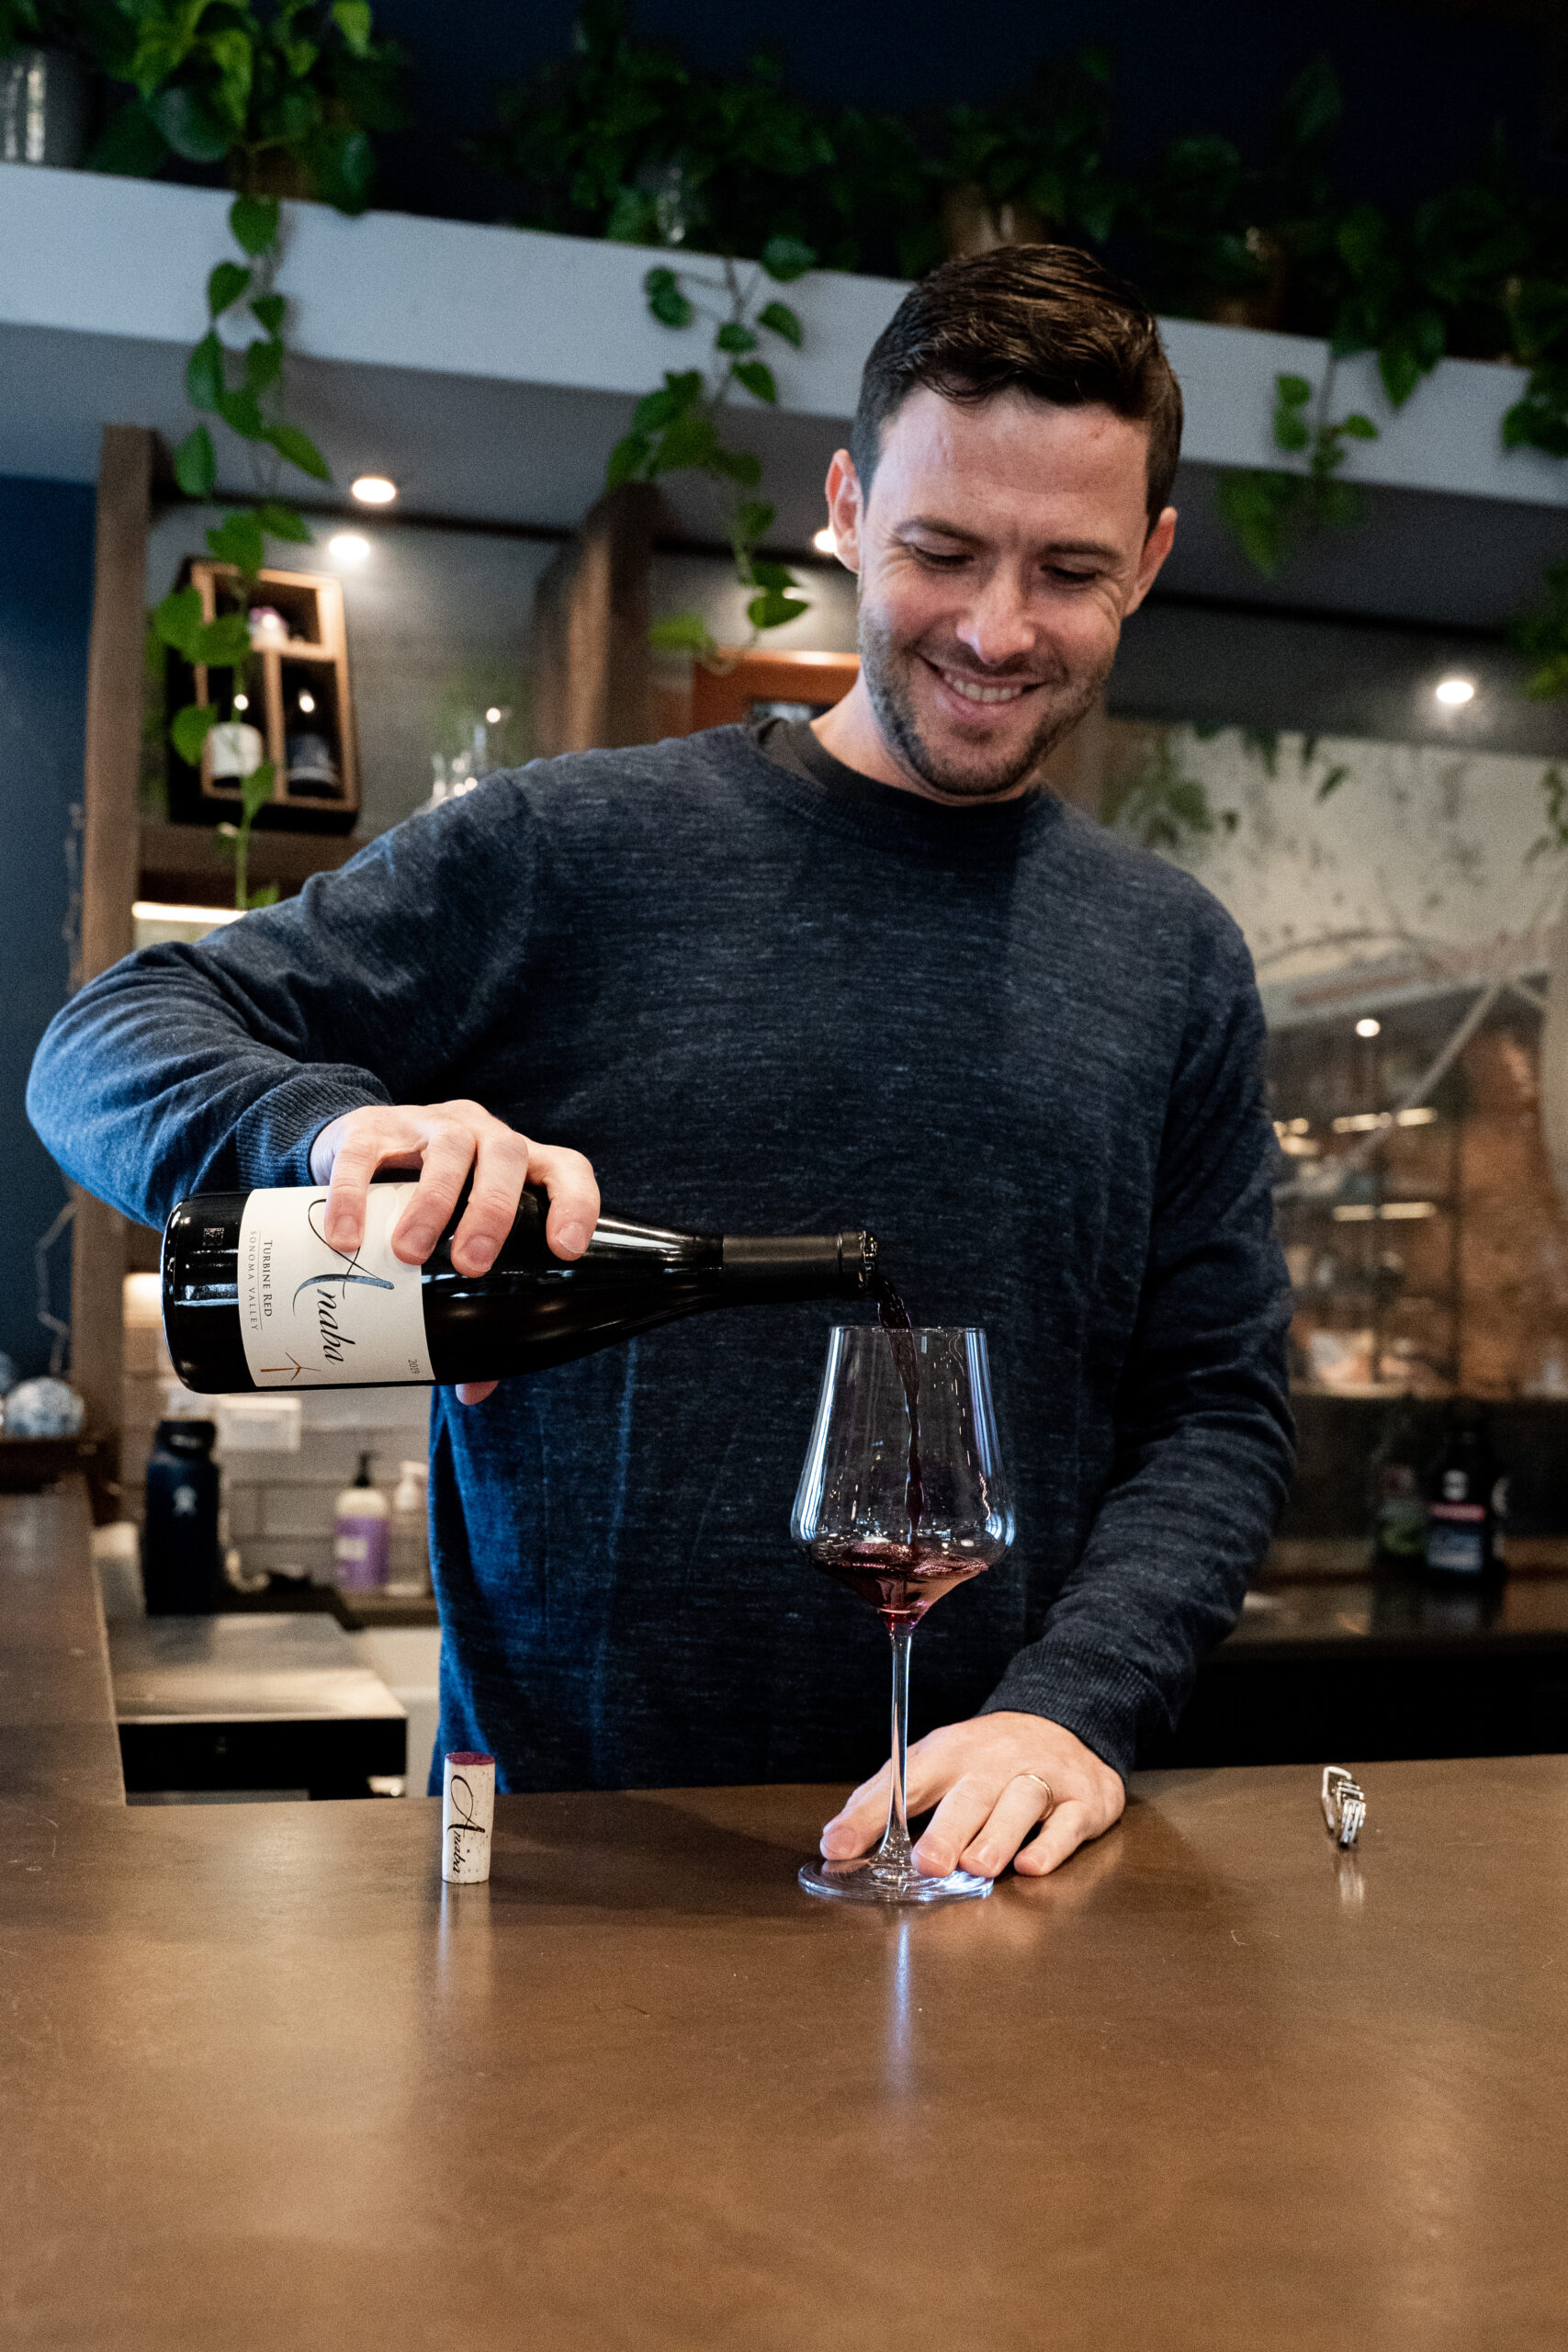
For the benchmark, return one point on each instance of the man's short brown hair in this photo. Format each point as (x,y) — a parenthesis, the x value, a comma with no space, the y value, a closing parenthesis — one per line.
(1045,320)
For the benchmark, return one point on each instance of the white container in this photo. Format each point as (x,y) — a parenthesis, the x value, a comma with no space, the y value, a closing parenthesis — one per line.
(360,1534)
(408,1557)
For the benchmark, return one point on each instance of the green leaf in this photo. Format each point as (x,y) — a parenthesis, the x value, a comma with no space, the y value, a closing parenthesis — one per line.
(133,147)
(224,643)
(188,731)
(225,285)
(195,464)
(351,19)
(239,540)
(627,459)
(296,450)
(191,128)
(678,393)
(281,522)
(256,791)
(682,633)
(1358,427)
(779,320)
(177,620)
(204,373)
(689,444)
(738,466)
(771,609)
(733,336)
(242,414)
(269,310)
(757,379)
(343,163)
(1332,782)
(1294,391)
(665,299)
(753,521)
(1291,431)
(266,894)
(771,575)
(263,364)
(633,221)
(252,223)
(785,258)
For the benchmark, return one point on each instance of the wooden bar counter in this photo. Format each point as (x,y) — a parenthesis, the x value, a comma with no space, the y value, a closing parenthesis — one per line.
(265,2083)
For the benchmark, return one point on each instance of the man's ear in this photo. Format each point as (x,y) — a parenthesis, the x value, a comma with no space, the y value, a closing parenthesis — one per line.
(846,509)
(1157,546)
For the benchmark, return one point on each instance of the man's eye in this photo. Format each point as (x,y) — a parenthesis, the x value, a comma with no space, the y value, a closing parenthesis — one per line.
(940,558)
(1071,579)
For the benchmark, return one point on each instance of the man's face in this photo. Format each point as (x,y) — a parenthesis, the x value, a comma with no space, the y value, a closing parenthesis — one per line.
(1000,548)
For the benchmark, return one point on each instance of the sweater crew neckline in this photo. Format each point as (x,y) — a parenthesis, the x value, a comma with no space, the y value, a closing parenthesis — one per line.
(883,816)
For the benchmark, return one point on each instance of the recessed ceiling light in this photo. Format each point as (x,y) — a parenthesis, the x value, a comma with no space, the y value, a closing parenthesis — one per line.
(824,542)
(242,702)
(1368,1028)
(1455,691)
(493,716)
(374,490)
(348,547)
(307,704)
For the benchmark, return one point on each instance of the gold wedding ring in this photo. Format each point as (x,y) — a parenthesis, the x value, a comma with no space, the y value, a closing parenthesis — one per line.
(1050,1792)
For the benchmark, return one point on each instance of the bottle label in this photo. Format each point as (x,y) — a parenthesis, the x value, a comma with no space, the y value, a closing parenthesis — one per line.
(1456,1542)
(311,1316)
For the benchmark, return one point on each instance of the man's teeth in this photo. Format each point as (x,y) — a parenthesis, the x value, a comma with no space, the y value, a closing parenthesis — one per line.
(973,693)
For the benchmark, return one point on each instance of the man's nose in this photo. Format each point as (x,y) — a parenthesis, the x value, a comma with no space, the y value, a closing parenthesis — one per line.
(997,627)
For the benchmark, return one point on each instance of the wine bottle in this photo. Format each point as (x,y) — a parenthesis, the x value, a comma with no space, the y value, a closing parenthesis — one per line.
(254,1296)
(1466,1515)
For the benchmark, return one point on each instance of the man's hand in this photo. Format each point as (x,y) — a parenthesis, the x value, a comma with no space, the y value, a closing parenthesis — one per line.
(988,1804)
(443,1140)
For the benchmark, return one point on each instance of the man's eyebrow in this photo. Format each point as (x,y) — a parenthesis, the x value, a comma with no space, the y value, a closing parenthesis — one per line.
(1096,547)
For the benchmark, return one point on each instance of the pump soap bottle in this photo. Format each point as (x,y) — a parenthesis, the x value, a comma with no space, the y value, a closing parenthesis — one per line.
(360,1534)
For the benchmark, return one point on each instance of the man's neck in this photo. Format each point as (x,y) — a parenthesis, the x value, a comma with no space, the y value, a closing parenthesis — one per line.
(852,733)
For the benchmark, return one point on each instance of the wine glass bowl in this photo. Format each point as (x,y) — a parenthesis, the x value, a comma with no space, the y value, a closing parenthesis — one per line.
(902,1498)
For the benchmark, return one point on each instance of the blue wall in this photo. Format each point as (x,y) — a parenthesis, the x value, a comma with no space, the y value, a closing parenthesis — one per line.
(46,597)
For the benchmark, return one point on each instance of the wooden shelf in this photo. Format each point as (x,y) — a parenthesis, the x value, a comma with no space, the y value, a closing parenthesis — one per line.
(188,865)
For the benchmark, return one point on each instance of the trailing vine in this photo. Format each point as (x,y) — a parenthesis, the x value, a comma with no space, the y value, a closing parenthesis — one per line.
(677,428)
(1268,511)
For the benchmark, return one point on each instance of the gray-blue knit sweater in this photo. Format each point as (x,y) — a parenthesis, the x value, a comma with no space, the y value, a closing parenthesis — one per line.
(764,994)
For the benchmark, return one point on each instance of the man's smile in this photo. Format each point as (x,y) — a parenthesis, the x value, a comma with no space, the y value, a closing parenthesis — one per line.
(975,690)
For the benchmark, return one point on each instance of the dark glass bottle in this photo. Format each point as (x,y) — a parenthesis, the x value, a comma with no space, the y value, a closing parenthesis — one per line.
(253,1298)
(182,1567)
(1398,1506)
(1465,1516)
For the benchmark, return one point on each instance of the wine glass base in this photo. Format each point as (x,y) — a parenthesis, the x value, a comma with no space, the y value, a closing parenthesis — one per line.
(865,1880)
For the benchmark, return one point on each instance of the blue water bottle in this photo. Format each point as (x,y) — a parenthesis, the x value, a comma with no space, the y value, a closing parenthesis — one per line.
(182,1567)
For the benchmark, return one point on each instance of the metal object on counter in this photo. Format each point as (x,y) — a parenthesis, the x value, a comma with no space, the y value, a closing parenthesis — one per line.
(1344,1803)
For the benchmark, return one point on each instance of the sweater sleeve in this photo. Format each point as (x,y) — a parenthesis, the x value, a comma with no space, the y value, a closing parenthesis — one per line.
(1204,1440)
(214,1067)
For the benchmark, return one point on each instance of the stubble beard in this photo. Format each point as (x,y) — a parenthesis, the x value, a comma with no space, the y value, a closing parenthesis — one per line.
(886,666)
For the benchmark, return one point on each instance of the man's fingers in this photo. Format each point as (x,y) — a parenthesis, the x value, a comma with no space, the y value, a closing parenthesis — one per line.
(1062,1834)
(861,1820)
(574,1196)
(963,1811)
(376,1139)
(449,1147)
(501,1166)
(1020,1805)
(474,1392)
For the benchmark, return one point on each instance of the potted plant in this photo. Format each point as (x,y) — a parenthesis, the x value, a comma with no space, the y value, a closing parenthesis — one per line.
(1031,168)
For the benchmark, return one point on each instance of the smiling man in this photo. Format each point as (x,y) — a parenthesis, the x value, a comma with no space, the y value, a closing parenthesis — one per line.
(791,977)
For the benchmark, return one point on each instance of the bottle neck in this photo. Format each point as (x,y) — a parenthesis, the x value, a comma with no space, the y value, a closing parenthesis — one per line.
(798,1266)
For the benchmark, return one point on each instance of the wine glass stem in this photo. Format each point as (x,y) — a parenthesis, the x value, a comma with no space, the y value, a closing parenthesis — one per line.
(895,1845)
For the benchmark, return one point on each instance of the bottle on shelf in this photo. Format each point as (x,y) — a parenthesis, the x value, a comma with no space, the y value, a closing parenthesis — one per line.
(408,1559)
(181,1555)
(1398,1504)
(1469,1501)
(360,1530)
(254,1297)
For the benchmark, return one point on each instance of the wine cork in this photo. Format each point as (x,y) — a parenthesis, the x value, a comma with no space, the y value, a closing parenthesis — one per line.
(468,1816)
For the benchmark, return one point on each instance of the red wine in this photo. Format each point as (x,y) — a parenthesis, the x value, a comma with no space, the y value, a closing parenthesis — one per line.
(894,1318)
(255,1297)
(900,1580)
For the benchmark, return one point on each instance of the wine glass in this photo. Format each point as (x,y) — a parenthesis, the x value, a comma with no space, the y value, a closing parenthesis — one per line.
(903,1496)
